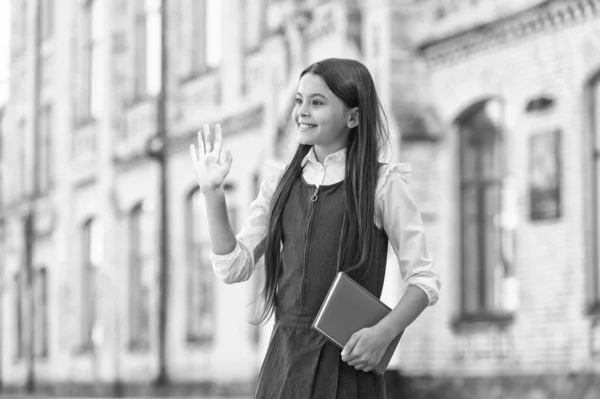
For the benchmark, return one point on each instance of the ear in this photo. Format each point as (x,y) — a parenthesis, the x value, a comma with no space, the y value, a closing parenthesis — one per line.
(353,118)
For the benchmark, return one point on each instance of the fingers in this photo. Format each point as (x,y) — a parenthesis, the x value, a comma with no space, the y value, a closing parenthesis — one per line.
(227,158)
(350,345)
(208,139)
(363,364)
(353,356)
(218,141)
(212,144)
(201,146)
(193,154)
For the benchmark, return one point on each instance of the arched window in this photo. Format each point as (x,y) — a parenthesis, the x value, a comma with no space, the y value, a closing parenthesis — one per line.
(92,253)
(200,291)
(19,341)
(41,312)
(140,277)
(484,268)
(147,44)
(594,156)
(200,31)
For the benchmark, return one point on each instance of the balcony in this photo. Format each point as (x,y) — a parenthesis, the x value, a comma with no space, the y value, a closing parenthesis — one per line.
(84,157)
(454,16)
(255,80)
(198,99)
(139,124)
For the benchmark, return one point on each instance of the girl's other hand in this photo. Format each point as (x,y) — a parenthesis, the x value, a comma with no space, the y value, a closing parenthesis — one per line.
(211,164)
(364,349)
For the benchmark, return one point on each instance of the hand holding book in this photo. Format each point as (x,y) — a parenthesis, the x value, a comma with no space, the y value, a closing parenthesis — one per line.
(366,348)
(350,318)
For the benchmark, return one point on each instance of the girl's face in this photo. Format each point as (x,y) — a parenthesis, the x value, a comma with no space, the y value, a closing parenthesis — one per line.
(322,119)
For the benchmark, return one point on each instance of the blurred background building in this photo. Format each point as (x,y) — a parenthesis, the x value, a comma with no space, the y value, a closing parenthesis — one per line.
(106,283)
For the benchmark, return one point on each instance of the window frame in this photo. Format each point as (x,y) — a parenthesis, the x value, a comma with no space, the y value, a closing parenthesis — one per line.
(47,18)
(198,272)
(145,56)
(89,298)
(198,267)
(197,47)
(45,166)
(41,314)
(593,160)
(139,333)
(91,104)
(19,315)
(484,311)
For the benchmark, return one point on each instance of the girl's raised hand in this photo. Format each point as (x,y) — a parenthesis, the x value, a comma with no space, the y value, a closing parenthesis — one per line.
(211,164)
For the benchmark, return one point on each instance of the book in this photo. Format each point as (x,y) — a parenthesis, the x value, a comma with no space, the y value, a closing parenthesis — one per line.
(347,308)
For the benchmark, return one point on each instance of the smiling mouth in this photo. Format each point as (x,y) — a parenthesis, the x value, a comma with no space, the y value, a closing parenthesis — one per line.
(305,126)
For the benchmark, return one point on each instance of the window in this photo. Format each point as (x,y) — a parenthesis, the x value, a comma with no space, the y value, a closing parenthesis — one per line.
(485,269)
(92,64)
(594,154)
(19,30)
(213,34)
(147,60)
(41,312)
(202,35)
(254,23)
(92,258)
(140,278)
(19,327)
(44,162)
(200,289)
(22,160)
(47,18)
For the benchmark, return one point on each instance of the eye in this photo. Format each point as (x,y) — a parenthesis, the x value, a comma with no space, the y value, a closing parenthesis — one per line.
(317,102)
(298,101)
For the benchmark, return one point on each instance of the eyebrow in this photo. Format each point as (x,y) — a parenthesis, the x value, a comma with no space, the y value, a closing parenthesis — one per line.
(313,95)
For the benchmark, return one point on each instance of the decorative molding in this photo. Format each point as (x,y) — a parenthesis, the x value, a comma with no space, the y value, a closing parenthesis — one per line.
(594,344)
(322,25)
(549,15)
(489,343)
(232,125)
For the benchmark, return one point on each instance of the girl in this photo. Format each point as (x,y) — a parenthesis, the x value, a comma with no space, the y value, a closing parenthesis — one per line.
(334,207)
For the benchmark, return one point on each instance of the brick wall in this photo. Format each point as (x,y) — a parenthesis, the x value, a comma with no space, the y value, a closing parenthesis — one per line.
(551,330)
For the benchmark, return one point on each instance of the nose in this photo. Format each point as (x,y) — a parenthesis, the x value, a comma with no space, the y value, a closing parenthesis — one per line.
(302,110)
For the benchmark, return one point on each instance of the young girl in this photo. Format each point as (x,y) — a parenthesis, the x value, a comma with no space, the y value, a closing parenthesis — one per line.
(334,207)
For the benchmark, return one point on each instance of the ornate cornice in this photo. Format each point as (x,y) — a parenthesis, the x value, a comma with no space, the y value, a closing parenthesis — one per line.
(546,16)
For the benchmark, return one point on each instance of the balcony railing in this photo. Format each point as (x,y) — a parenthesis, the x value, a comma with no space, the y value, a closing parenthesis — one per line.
(84,152)
(198,98)
(139,124)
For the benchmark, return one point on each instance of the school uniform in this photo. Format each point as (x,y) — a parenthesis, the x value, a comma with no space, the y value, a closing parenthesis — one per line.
(300,363)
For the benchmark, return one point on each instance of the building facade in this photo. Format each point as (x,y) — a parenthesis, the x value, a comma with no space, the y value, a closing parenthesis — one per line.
(81,247)
(515,171)
(492,102)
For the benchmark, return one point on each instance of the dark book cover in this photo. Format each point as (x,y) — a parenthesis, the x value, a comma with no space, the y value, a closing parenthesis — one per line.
(347,308)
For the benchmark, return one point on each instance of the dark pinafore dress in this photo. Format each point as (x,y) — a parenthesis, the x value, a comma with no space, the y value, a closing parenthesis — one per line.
(300,363)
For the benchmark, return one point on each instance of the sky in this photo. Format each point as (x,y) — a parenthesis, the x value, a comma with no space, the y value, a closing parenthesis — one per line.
(4,49)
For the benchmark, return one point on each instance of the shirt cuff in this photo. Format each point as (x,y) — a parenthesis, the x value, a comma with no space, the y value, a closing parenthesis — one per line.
(225,260)
(431,292)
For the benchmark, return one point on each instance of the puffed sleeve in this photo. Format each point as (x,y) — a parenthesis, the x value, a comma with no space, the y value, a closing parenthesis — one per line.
(398,215)
(239,265)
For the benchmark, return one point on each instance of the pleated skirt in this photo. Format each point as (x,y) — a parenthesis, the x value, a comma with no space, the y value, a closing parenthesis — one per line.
(302,364)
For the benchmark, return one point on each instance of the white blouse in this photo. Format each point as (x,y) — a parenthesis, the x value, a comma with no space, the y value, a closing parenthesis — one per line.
(395,212)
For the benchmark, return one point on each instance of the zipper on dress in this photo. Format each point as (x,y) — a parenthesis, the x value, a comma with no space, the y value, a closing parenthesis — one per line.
(315,197)
(313,200)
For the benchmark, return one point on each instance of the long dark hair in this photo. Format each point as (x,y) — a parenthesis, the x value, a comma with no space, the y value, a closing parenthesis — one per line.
(352,83)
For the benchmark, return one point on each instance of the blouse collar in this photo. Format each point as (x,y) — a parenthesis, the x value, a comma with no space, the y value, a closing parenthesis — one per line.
(335,158)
